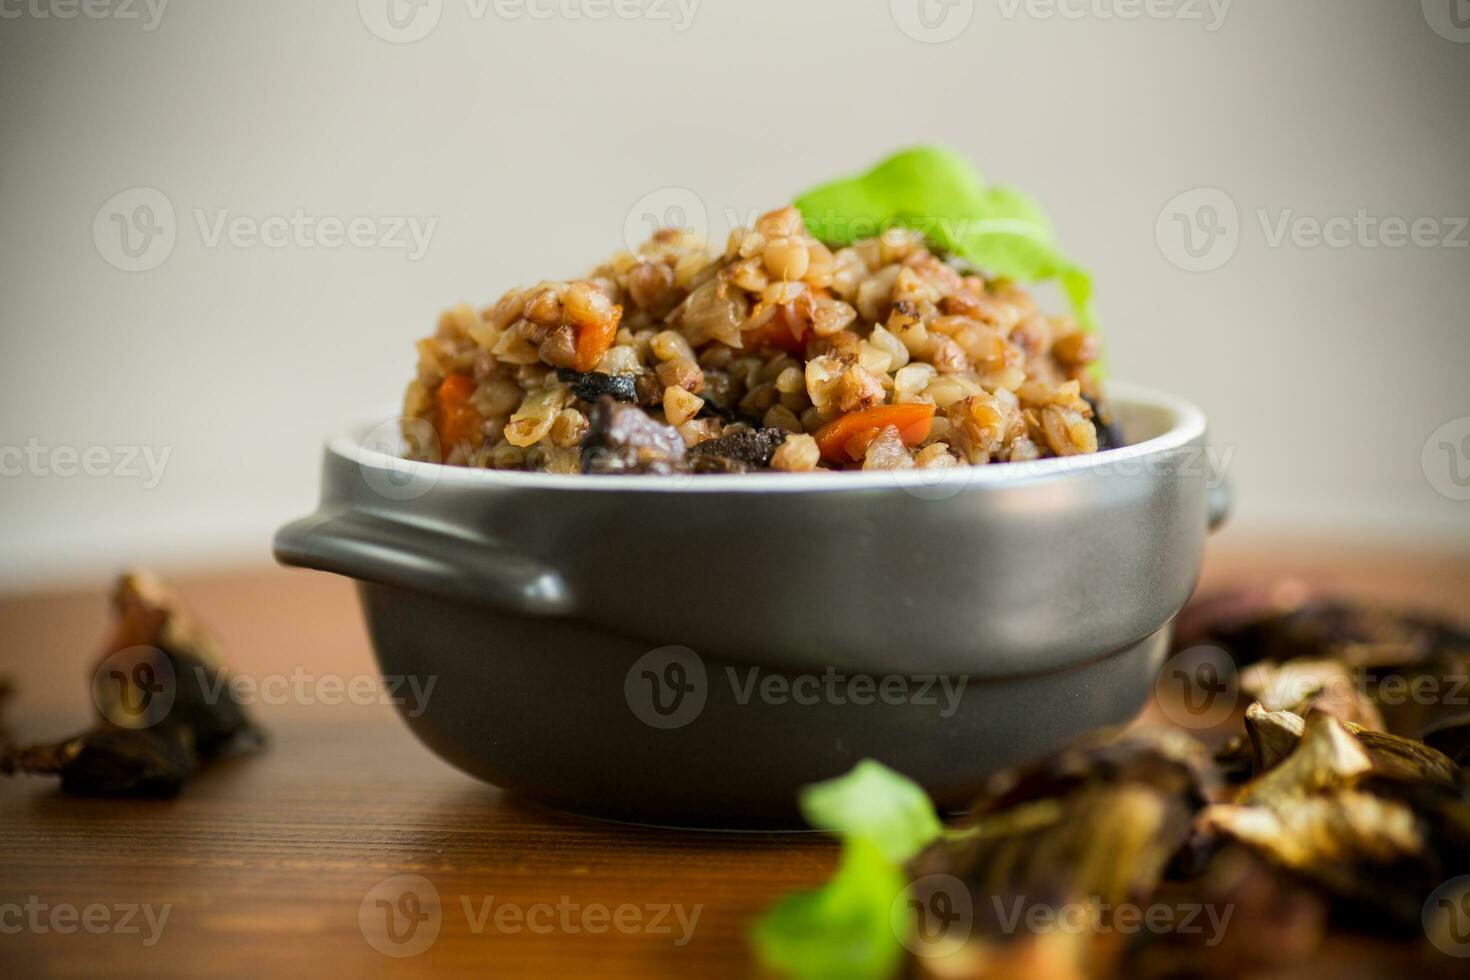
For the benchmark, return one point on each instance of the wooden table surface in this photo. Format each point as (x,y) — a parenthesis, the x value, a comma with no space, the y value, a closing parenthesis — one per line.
(269,863)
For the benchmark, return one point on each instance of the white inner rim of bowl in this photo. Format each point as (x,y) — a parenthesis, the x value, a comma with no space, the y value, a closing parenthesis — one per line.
(1170,422)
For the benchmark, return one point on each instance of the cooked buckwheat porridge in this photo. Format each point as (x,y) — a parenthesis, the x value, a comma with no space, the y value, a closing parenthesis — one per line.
(778,354)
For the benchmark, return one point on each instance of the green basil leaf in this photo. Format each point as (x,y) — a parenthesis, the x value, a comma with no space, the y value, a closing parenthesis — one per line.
(874,803)
(928,188)
(841,930)
(847,927)
(939,194)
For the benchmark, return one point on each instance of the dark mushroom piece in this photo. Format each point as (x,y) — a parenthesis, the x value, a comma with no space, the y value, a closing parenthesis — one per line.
(625,439)
(111,761)
(589,386)
(751,448)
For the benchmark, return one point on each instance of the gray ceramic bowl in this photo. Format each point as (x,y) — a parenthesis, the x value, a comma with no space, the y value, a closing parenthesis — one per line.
(693,649)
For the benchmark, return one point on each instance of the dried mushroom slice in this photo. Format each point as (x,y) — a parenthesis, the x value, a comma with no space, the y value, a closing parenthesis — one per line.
(163,699)
(1275,734)
(1298,626)
(1357,845)
(1085,829)
(1225,617)
(1168,760)
(1327,757)
(1344,821)
(1255,918)
(1282,621)
(1235,760)
(1301,686)
(108,761)
(1313,813)
(1405,758)
(160,666)
(1444,811)
(1112,844)
(1450,735)
(1033,870)
(1415,698)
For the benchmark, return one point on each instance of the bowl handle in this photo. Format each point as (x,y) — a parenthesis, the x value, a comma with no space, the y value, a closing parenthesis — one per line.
(366,546)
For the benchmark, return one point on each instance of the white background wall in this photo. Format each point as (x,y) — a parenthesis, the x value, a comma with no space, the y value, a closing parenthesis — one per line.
(530,140)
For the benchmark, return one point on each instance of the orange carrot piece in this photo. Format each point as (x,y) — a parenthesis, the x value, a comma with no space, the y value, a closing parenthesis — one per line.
(911,421)
(593,340)
(455,419)
(778,332)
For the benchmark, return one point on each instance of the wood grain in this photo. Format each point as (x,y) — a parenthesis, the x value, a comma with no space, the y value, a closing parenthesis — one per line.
(265,861)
